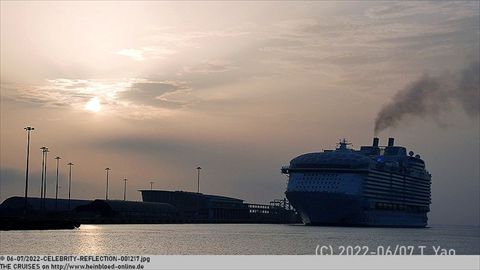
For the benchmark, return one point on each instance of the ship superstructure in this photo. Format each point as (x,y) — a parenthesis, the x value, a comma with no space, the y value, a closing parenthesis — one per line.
(373,186)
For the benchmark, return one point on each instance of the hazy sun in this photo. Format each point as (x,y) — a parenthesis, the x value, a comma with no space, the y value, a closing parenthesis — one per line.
(93,105)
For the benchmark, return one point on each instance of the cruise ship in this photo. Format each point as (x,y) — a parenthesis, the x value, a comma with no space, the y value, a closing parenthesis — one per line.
(373,186)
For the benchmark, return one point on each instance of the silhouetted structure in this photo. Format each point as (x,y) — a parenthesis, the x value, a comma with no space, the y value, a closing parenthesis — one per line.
(198,178)
(125,189)
(43,214)
(56,185)
(106,190)
(29,130)
(70,164)
(198,207)
(373,186)
(43,148)
(115,211)
(45,152)
(13,206)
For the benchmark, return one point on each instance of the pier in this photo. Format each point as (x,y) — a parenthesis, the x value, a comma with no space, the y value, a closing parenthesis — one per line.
(158,207)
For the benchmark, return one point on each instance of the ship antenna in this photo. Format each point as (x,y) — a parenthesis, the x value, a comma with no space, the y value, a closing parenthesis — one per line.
(342,144)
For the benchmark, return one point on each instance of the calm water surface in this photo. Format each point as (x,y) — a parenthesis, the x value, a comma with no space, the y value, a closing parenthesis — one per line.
(229,239)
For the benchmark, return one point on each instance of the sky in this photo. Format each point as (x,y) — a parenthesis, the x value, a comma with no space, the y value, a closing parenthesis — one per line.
(154,89)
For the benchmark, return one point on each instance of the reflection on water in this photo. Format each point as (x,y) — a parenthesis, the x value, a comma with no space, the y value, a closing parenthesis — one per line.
(90,227)
(90,240)
(229,239)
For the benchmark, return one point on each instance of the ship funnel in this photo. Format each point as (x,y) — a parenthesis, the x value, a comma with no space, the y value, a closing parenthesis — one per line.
(390,142)
(375,142)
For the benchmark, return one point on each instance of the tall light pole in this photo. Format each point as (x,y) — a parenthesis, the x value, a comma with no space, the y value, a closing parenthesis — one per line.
(56,186)
(29,130)
(43,168)
(198,179)
(70,164)
(106,191)
(45,181)
(125,189)
(151,184)
(43,148)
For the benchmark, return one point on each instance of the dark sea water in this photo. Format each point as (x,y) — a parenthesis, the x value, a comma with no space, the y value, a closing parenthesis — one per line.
(232,239)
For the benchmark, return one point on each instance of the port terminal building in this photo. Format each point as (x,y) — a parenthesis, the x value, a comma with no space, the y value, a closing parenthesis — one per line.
(157,207)
(199,207)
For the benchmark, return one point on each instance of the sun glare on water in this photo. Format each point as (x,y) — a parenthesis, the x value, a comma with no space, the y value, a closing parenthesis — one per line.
(93,105)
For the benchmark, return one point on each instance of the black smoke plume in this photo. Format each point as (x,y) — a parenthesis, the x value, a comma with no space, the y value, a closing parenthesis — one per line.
(429,96)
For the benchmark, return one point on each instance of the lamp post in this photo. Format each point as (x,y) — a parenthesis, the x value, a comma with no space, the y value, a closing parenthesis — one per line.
(42,191)
(125,189)
(106,191)
(198,179)
(43,148)
(45,182)
(70,164)
(29,130)
(56,186)
(151,184)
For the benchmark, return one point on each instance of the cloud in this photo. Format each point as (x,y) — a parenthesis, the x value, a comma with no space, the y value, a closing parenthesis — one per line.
(69,92)
(191,38)
(130,98)
(206,67)
(401,10)
(143,53)
(177,149)
(341,48)
(152,146)
(327,43)
(51,94)
(135,54)
(153,94)
(162,42)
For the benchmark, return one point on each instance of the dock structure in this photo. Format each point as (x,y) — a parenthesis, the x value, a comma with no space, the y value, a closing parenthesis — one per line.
(158,207)
(14,206)
(197,207)
(125,212)
(37,214)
